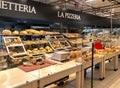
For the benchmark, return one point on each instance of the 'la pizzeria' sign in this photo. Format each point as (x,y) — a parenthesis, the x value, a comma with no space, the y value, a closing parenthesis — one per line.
(68,15)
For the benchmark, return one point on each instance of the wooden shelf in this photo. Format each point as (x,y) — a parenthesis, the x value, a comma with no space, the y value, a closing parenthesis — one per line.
(14,45)
(34,43)
(4,61)
(2,55)
(28,35)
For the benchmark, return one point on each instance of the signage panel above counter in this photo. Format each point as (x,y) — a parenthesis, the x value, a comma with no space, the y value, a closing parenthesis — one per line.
(6,5)
(31,10)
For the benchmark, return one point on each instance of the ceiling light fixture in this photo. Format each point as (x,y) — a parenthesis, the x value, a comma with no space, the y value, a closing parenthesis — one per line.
(63,8)
(89,0)
(57,7)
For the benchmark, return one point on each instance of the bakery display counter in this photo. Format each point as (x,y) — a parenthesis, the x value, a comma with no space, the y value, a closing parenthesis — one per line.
(27,67)
(114,56)
(88,64)
(99,57)
(55,72)
(117,49)
(37,71)
(109,53)
(16,78)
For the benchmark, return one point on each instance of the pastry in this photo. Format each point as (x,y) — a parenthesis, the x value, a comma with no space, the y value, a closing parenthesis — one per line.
(23,33)
(8,41)
(42,32)
(48,49)
(16,61)
(17,40)
(42,50)
(6,32)
(32,31)
(15,32)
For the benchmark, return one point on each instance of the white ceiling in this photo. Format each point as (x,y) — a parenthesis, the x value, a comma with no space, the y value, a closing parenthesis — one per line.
(97,7)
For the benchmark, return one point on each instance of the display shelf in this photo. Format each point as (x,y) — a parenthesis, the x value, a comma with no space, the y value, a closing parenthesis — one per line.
(13,42)
(14,48)
(78,41)
(34,42)
(18,49)
(19,54)
(74,39)
(12,78)
(37,44)
(60,37)
(58,42)
(29,32)
(14,45)
(36,54)
(71,35)
(40,51)
(3,55)
(65,44)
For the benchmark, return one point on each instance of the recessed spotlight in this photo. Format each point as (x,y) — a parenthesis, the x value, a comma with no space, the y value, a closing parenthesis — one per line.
(66,0)
(24,21)
(57,7)
(89,0)
(64,9)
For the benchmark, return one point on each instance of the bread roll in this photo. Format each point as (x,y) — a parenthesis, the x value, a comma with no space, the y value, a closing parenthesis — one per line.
(15,32)
(23,33)
(42,32)
(6,32)
(31,31)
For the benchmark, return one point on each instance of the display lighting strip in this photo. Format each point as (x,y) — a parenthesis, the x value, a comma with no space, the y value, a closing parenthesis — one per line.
(89,0)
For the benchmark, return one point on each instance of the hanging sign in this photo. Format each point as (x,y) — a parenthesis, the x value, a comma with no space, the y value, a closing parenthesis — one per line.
(68,15)
(6,5)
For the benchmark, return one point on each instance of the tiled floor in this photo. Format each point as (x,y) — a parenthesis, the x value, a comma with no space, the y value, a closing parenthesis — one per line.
(112,79)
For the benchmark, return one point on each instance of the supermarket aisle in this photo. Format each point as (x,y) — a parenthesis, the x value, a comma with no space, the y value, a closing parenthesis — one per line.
(112,79)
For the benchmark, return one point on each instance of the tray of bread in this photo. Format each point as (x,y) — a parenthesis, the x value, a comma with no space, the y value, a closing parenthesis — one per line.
(27,59)
(8,32)
(12,40)
(75,41)
(65,44)
(56,45)
(40,50)
(60,37)
(29,42)
(71,35)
